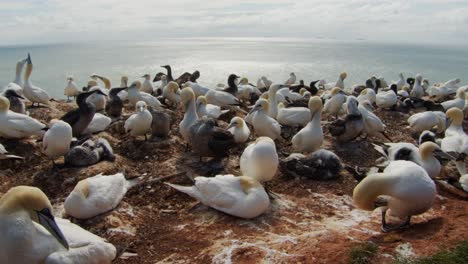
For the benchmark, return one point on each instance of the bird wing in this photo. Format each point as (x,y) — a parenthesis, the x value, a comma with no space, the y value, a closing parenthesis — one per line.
(158,76)
(183,78)
(71,117)
(221,141)
(215,192)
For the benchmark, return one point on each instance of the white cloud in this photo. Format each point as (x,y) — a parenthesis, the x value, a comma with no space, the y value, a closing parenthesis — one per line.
(383,20)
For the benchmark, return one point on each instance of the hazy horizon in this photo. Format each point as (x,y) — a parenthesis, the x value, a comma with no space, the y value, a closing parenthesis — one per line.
(420,22)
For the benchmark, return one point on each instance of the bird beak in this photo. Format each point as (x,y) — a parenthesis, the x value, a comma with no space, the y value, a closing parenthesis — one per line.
(230,126)
(448,122)
(143,76)
(444,155)
(19,96)
(255,109)
(100,92)
(28,59)
(46,219)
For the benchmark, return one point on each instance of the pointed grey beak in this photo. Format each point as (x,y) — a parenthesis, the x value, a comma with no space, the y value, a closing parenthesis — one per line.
(28,59)
(255,109)
(230,126)
(444,155)
(448,122)
(46,219)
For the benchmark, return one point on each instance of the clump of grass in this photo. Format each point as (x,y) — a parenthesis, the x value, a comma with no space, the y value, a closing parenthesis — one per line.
(363,253)
(457,255)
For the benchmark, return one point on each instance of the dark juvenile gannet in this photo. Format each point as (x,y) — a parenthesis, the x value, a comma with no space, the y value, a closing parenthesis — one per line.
(319,165)
(16,101)
(89,153)
(80,118)
(161,124)
(351,126)
(232,85)
(114,104)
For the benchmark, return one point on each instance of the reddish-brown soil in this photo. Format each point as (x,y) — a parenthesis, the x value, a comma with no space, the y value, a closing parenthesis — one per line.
(308,222)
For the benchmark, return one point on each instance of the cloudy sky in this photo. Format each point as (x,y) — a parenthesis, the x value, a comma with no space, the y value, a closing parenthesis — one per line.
(409,21)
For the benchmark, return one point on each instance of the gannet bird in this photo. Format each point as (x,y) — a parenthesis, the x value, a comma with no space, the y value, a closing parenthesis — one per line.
(232,85)
(339,83)
(400,83)
(373,126)
(161,124)
(246,91)
(147,85)
(123,95)
(57,139)
(408,189)
(319,165)
(16,101)
(31,92)
(444,89)
(99,100)
(15,125)
(310,138)
(239,129)
(106,81)
(242,196)
(289,95)
(209,110)
(71,90)
(89,153)
(266,82)
(96,195)
(17,84)
(458,102)
(263,124)
(455,141)
(197,88)
(260,160)
(291,80)
(367,94)
(208,140)
(334,105)
(134,95)
(351,126)
(190,116)
(80,118)
(38,237)
(423,156)
(99,123)
(158,90)
(427,120)
(273,100)
(426,136)
(305,94)
(115,104)
(4,154)
(171,93)
(139,123)
(404,92)
(221,98)
(417,90)
(293,116)
(387,99)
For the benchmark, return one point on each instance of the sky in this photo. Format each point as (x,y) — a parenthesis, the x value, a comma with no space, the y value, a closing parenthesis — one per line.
(400,21)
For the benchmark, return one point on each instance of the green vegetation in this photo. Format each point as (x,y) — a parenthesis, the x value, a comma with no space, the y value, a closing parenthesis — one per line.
(363,253)
(456,255)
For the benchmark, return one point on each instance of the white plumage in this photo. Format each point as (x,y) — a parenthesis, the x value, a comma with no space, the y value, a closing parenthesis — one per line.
(239,130)
(15,125)
(56,141)
(310,138)
(260,160)
(264,125)
(99,123)
(427,120)
(139,124)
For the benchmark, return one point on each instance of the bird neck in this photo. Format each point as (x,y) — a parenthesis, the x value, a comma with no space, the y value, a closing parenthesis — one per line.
(316,117)
(190,109)
(18,80)
(169,73)
(27,74)
(366,192)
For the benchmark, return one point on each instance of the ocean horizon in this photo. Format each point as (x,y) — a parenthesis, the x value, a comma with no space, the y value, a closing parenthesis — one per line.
(216,58)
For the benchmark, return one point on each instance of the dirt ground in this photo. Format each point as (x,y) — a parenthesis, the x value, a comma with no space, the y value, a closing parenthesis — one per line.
(308,222)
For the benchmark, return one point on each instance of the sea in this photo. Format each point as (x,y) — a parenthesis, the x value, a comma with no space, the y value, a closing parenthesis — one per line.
(216,58)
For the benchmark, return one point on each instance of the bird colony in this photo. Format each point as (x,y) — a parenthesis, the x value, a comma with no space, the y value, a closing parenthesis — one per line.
(235,142)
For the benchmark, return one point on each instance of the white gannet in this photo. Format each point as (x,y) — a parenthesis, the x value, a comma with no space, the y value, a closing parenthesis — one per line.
(31,92)
(458,102)
(387,99)
(99,123)
(449,87)
(455,141)
(97,195)
(98,99)
(139,124)
(57,139)
(339,83)
(404,92)
(4,154)
(147,85)
(260,160)
(289,95)
(417,90)
(291,80)
(123,95)
(71,90)
(407,187)
(373,126)
(209,110)
(310,138)
(400,83)
(190,116)
(221,98)
(106,81)
(273,100)
(15,125)
(427,120)
(367,94)
(238,196)
(334,105)
(17,84)
(172,93)
(134,95)
(293,116)
(38,237)
(263,124)
(197,88)
(239,129)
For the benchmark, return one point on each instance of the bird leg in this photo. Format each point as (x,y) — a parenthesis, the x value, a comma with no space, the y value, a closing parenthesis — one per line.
(387,228)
